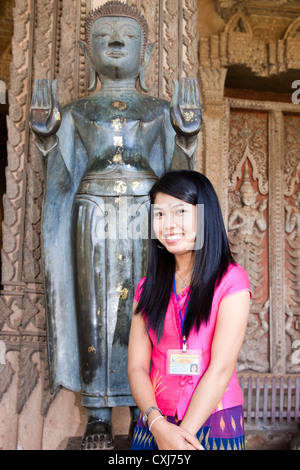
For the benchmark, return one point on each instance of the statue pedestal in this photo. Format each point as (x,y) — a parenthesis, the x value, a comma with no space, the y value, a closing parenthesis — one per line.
(121,443)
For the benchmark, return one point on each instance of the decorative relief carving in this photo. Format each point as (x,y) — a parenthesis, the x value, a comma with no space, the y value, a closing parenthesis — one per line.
(66,76)
(175,51)
(214,129)
(276,246)
(292,235)
(248,140)
(256,40)
(16,140)
(190,38)
(293,31)
(247,225)
(7,374)
(212,85)
(171,36)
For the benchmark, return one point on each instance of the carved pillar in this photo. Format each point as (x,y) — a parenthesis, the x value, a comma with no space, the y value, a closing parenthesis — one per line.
(291,168)
(215,128)
(173,29)
(276,245)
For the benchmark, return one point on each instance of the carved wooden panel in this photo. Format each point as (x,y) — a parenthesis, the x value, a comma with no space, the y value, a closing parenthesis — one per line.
(263,229)
(248,224)
(292,238)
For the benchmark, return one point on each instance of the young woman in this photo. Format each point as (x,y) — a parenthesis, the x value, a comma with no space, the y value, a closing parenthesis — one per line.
(190,314)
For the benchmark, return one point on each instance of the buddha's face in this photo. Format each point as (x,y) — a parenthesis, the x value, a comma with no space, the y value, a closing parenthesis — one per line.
(116,45)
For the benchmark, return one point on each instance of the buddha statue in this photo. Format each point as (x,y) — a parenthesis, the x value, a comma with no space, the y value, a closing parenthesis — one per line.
(102,154)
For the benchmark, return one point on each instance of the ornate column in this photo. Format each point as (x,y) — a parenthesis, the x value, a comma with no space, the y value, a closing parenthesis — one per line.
(291,169)
(276,245)
(215,129)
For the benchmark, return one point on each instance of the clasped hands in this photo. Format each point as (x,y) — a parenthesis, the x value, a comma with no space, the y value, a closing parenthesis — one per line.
(169,436)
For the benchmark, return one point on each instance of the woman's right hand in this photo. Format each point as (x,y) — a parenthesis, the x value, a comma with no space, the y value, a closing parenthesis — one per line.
(169,436)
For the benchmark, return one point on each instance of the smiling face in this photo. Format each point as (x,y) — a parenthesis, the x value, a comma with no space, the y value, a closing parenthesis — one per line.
(174,223)
(116,45)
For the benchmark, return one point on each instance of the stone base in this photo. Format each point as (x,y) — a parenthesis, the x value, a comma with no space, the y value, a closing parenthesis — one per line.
(268,440)
(121,443)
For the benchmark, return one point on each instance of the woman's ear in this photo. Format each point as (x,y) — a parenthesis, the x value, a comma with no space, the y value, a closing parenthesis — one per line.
(93,82)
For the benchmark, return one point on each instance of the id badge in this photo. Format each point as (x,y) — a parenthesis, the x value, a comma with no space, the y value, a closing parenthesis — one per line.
(181,362)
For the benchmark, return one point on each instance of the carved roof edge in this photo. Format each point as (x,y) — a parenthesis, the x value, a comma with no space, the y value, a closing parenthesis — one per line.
(236,45)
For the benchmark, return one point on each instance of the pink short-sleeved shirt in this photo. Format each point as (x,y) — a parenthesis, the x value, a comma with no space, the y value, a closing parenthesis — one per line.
(174,392)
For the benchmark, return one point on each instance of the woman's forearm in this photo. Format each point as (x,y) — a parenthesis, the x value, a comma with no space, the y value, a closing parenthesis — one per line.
(167,436)
(205,399)
(139,359)
(142,391)
(228,338)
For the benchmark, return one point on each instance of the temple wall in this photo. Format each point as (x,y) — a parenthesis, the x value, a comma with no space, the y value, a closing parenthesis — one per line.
(246,55)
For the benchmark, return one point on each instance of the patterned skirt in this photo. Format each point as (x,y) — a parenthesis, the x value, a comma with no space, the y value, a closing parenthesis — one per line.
(224,430)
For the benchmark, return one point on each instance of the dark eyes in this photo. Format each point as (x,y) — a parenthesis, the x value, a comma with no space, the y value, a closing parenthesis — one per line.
(159,214)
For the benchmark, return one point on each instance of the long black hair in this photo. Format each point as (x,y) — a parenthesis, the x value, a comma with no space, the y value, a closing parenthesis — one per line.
(210,262)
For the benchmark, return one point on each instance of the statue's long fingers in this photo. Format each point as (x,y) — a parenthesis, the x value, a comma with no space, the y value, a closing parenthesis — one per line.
(42,93)
(188,96)
(34,100)
(55,103)
(39,93)
(55,116)
(193,94)
(196,94)
(186,92)
(174,101)
(182,93)
(46,96)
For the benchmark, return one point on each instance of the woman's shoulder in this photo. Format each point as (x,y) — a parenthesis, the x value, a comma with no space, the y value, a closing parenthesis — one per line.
(234,280)
(138,289)
(235,269)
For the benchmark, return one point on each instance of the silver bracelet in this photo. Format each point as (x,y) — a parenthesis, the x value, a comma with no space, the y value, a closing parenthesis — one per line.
(157,417)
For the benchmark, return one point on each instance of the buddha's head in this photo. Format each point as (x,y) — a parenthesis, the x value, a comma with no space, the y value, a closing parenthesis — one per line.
(116,36)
